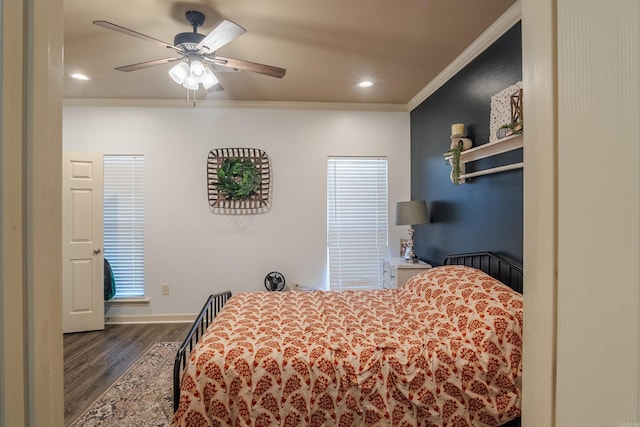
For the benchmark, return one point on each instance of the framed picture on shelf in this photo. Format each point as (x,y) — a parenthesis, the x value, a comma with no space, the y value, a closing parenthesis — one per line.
(404,245)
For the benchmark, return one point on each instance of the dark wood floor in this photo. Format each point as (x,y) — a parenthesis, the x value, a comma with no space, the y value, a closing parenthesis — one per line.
(94,360)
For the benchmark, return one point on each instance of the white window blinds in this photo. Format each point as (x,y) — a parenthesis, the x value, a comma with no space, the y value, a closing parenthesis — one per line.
(124,222)
(357,222)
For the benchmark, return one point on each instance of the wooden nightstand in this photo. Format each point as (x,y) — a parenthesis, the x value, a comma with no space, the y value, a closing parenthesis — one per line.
(396,271)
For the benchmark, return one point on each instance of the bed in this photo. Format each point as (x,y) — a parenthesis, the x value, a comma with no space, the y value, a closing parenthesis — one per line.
(444,349)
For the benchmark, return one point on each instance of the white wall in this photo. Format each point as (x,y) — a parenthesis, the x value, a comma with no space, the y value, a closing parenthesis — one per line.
(198,252)
(582,213)
(598,364)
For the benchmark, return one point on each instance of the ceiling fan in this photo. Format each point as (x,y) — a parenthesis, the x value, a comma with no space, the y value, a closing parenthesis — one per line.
(197,54)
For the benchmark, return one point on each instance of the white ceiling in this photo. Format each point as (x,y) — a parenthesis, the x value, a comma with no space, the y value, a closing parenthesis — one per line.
(327,46)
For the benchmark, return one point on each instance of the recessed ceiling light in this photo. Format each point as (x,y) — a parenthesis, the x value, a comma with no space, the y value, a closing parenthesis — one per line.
(365,83)
(79,76)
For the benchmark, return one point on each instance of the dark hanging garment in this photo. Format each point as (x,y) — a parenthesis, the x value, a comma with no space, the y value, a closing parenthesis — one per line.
(109,281)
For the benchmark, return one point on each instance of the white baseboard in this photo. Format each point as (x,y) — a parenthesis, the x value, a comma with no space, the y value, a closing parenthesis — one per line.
(154,318)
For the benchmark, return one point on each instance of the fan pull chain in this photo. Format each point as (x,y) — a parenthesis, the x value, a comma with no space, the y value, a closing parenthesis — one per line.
(193,97)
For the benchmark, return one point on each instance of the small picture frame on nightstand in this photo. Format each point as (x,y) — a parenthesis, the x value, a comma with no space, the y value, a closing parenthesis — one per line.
(404,246)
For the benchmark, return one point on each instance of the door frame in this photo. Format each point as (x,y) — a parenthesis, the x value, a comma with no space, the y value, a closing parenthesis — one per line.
(31,359)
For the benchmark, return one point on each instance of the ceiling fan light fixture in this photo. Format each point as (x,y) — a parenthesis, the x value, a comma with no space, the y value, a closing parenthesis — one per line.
(194,50)
(209,80)
(190,83)
(197,70)
(179,73)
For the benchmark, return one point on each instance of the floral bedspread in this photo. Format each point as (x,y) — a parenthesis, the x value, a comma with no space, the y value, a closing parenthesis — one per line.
(443,350)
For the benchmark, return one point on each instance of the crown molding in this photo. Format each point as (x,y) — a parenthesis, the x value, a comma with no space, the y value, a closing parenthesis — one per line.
(486,39)
(283,105)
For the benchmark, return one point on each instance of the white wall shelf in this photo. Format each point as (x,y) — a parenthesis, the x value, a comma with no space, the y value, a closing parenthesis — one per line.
(504,145)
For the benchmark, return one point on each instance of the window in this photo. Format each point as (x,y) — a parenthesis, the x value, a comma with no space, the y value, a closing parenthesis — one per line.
(357,222)
(124,223)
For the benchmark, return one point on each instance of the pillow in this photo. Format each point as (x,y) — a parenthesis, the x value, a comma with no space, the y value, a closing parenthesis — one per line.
(466,302)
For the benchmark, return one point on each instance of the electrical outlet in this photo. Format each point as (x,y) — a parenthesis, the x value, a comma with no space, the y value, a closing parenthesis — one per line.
(165,289)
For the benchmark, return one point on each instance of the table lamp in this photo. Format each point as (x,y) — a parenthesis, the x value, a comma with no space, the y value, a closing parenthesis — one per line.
(411,213)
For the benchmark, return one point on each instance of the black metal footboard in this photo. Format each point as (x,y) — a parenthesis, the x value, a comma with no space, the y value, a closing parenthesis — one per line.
(209,311)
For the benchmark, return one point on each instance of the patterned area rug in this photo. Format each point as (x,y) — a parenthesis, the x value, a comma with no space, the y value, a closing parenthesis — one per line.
(142,396)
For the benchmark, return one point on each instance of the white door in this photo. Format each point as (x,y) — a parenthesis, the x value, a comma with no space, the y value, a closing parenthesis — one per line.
(82,242)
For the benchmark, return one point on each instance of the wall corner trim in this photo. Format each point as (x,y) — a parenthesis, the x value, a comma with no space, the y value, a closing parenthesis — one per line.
(486,39)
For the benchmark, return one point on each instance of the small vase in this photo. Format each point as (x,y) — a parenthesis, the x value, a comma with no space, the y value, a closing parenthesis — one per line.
(466,143)
(502,132)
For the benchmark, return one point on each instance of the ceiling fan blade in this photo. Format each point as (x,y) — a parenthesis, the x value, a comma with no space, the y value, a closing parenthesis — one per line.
(220,36)
(215,88)
(115,27)
(254,67)
(146,64)
(216,67)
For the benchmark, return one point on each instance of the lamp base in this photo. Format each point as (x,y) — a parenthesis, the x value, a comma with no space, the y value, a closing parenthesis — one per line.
(409,255)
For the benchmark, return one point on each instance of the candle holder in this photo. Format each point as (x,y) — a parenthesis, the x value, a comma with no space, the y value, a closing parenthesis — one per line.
(457,130)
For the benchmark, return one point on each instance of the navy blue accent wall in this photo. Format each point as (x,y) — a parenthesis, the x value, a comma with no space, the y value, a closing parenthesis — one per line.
(486,212)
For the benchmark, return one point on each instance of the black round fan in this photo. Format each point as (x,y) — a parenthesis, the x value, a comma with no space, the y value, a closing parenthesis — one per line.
(274,281)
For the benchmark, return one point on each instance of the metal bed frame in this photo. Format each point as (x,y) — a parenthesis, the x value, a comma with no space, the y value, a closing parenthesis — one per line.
(508,272)
(209,311)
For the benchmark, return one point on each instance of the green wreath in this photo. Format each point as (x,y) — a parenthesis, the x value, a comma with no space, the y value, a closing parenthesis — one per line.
(238,179)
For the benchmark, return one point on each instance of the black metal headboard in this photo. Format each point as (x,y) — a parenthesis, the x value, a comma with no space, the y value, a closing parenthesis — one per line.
(497,267)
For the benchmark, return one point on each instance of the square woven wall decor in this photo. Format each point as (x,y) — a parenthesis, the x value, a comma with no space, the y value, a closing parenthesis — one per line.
(256,202)
(501,109)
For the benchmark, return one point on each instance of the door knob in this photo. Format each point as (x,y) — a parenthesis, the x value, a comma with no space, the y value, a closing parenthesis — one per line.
(96,251)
